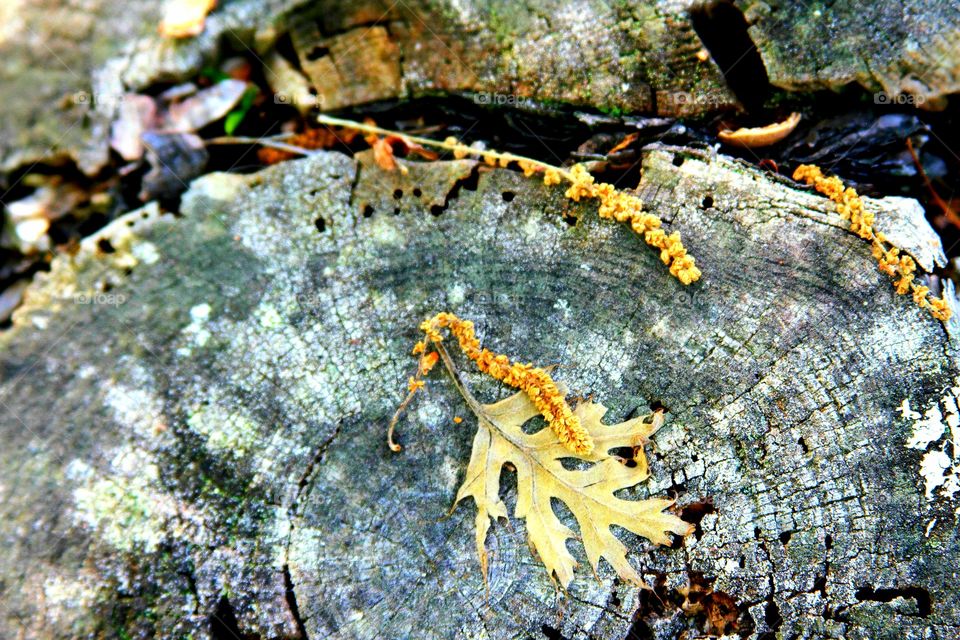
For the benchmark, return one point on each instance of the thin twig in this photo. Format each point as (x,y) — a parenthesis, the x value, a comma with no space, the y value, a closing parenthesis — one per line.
(330,121)
(952,216)
(393,422)
(265,142)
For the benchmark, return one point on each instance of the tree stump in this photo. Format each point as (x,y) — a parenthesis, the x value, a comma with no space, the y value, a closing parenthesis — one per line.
(195,411)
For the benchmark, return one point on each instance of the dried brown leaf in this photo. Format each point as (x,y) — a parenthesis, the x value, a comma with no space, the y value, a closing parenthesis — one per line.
(136,114)
(204,107)
(589,493)
(623,144)
(411,147)
(383,154)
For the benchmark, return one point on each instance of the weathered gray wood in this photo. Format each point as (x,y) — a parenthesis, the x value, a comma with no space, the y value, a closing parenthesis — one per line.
(907,50)
(214,432)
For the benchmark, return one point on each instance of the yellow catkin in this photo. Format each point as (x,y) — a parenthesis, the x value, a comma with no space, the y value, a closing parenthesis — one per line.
(889,259)
(528,167)
(614,204)
(534,381)
(551,177)
(625,207)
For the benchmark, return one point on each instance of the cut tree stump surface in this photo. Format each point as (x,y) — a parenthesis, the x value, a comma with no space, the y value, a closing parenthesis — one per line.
(195,411)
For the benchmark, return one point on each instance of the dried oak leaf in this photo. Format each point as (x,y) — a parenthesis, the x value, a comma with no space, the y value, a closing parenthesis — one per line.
(383,150)
(587,492)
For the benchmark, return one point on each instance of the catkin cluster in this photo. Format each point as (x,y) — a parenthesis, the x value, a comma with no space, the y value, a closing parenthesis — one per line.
(901,267)
(614,204)
(534,381)
(625,207)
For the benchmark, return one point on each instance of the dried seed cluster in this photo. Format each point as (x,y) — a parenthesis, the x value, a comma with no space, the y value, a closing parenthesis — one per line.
(534,381)
(614,204)
(625,207)
(900,267)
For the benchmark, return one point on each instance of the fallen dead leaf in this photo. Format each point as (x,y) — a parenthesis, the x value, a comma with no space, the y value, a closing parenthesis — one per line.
(382,153)
(623,144)
(28,219)
(137,114)
(175,159)
(754,137)
(11,297)
(588,492)
(719,612)
(320,138)
(411,147)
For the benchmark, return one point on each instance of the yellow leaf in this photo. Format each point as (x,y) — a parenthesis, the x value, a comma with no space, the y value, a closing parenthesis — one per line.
(185,18)
(588,492)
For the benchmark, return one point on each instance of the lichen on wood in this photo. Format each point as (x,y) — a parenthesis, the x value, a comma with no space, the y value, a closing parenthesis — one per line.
(261,346)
